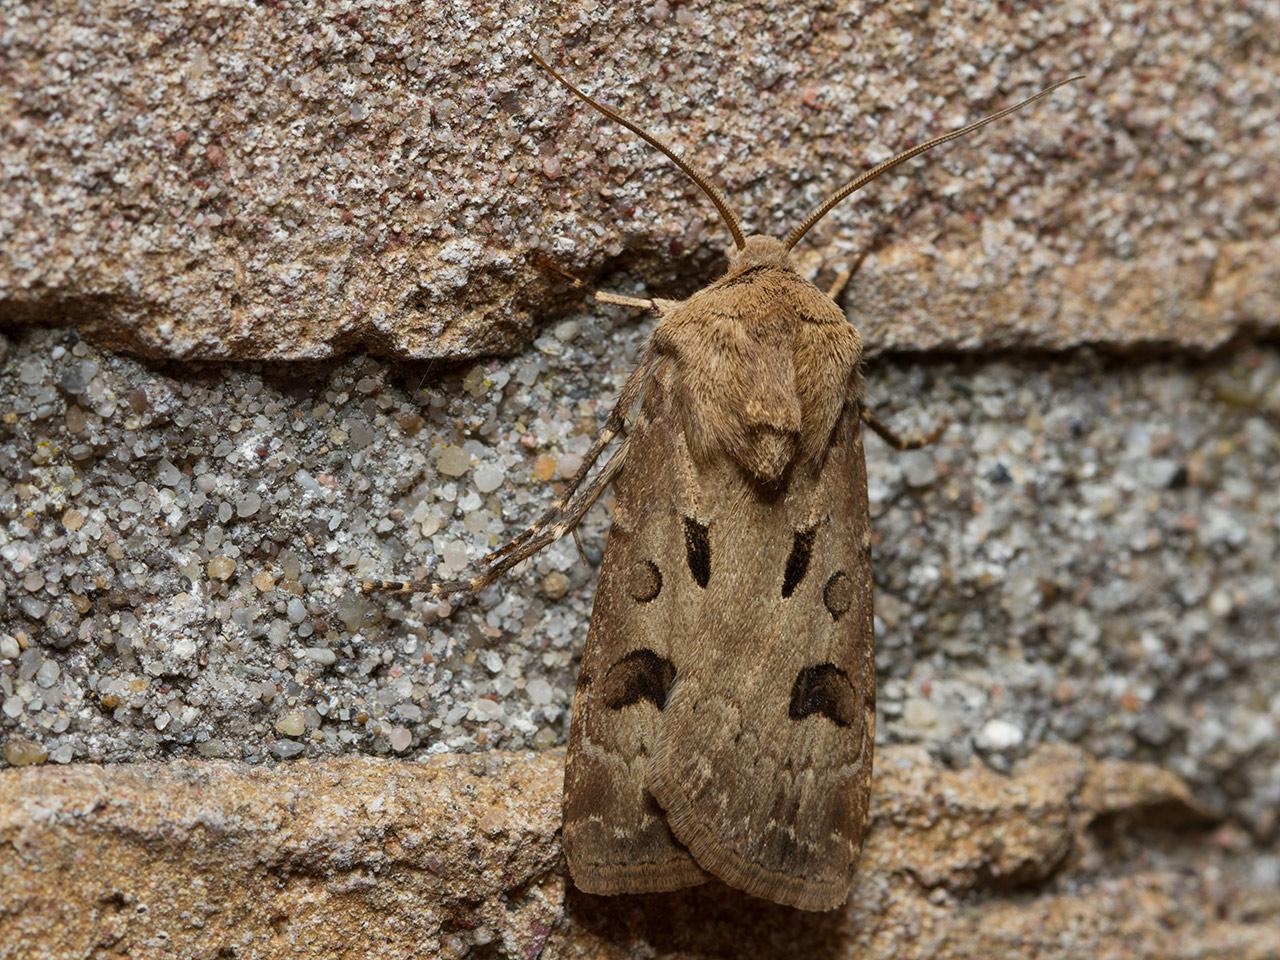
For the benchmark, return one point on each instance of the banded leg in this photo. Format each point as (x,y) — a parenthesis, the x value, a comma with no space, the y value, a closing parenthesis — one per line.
(557,517)
(876,243)
(547,263)
(549,517)
(614,425)
(897,441)
(576,508)
(611,430)
(537,536)
(842,280)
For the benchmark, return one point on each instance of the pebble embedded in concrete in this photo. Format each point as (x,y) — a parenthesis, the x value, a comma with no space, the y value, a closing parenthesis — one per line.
(998,735)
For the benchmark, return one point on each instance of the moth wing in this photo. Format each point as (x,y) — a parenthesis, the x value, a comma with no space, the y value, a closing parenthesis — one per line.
(616,838)
(763,762)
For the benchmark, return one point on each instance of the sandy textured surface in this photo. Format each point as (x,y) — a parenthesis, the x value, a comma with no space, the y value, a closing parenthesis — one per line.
(460,857)
(283,180)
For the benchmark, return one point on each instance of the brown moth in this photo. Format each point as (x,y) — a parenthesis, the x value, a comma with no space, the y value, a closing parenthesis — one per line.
(724,718)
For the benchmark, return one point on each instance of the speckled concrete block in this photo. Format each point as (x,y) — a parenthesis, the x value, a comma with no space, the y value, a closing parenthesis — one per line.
(1088,554)
(459,857)
(286,180)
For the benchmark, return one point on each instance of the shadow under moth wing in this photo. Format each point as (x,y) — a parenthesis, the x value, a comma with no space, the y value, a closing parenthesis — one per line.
(724,718)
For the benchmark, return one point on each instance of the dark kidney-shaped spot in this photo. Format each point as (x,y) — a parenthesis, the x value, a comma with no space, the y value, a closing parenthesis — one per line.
(697,547)
(824,690)
(639,675)
(644,582)
(838,594)
(798,561)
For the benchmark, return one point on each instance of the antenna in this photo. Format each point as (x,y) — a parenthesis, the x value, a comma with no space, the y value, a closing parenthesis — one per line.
(711,190)
(857,183)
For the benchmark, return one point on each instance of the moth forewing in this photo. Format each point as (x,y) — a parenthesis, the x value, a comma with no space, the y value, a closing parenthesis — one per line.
(724,718)
(763,762)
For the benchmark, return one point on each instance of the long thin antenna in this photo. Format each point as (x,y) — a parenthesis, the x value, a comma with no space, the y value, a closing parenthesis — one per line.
(857,183)
(711,190)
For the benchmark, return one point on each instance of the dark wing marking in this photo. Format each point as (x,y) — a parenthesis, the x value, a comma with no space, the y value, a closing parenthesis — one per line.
(798,560)
(838,595)
(824,690)
(697,548)
(636,676)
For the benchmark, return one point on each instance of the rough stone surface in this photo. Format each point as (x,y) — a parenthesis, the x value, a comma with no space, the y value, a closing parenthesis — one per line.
(459,857)
(1088,555)
(1092,558)
(284,180)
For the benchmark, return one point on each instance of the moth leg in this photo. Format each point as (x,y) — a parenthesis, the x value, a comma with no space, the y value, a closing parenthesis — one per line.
(877,242)
(622,300)
(656,304)
(547,263)
(614,425)
(386,586)
(897,441)
(847,273)
(542,533)
(536,537)
(611,429)
(840,282)
(560,513)
(519,545)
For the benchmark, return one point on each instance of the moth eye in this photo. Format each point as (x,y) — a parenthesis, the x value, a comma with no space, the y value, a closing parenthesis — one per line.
(838,594)
(645,581)
(639,675)
(697,547)
(798,561)
(824,689)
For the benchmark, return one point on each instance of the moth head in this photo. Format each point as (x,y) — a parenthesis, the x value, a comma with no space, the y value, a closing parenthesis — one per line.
(759,249)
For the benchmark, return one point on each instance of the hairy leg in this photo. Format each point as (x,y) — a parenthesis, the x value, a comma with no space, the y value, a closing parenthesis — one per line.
(563,516)
(895,440)
(656,304)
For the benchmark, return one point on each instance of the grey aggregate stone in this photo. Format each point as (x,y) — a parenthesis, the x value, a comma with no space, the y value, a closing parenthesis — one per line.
(1093,558)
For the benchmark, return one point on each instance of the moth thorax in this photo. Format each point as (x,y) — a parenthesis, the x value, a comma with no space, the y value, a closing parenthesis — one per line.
(768,454)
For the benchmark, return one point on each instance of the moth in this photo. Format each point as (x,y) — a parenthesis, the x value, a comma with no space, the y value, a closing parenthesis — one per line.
(724,718)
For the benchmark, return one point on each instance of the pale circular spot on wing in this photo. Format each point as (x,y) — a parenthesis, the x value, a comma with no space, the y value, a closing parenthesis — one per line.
(838,594)
(644,582)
